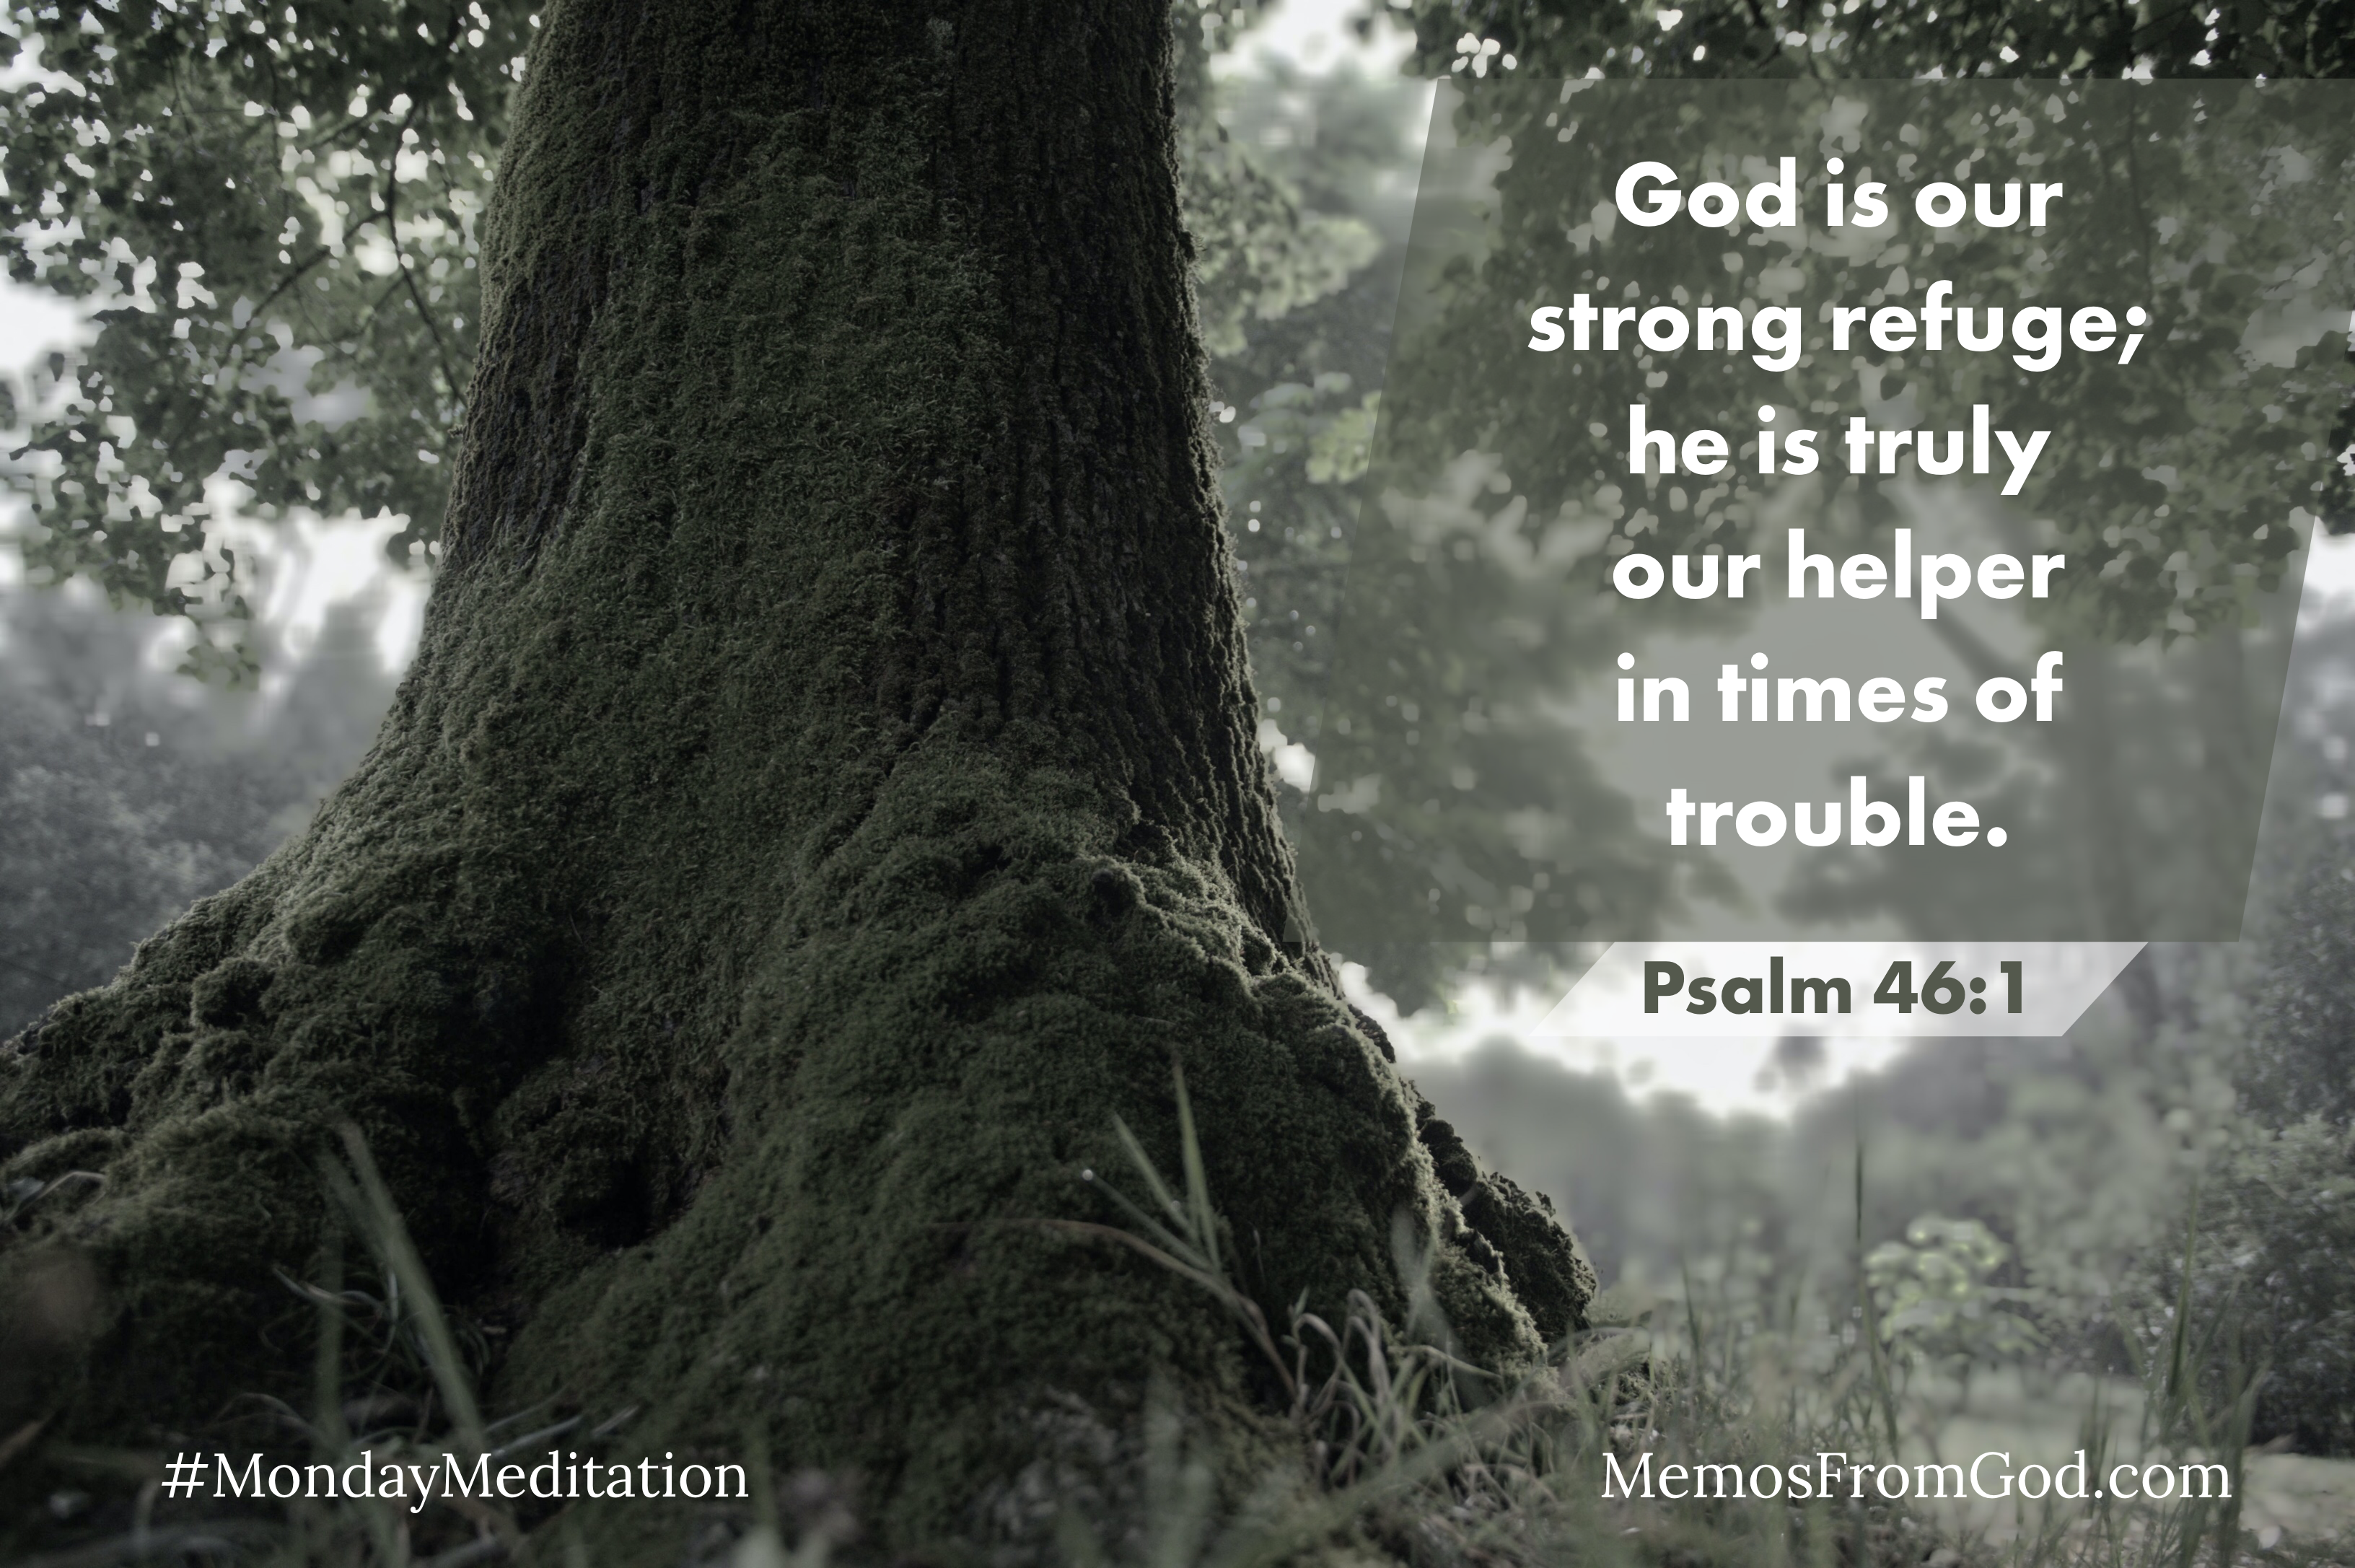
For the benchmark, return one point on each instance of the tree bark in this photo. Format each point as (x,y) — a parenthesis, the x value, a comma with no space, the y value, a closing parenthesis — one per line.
(825,794)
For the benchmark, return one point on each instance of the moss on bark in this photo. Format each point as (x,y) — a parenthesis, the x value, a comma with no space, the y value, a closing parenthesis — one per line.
(825,793)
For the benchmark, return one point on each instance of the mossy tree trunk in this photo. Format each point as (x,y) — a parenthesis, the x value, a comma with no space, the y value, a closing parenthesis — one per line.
(825,793)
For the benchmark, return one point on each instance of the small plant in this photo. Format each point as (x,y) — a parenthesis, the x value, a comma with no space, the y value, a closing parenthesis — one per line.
(1938,1305)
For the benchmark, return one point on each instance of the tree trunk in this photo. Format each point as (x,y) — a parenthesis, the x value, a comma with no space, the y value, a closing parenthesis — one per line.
(825,795)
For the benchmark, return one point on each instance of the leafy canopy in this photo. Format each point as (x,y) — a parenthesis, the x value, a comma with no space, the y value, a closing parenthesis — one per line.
(272,211)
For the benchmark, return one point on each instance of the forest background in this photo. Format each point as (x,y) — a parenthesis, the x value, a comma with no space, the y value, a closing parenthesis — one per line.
(2019,1232)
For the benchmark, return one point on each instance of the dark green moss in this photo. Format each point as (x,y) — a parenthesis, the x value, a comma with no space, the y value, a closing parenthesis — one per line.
(825,797)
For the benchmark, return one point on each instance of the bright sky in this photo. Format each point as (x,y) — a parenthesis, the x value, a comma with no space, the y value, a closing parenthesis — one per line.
(1315,35)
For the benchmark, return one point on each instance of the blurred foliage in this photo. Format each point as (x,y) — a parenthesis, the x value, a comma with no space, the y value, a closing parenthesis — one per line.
(128,793)
(1888,39)
(1298,407)
(2300,1023)
(2275,1257)
(1294,385)
(2064,1151)
(1935,1297)
(2273,1211)
(272,211)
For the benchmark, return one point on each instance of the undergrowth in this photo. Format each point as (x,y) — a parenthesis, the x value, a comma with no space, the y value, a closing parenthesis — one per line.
(1406,1452)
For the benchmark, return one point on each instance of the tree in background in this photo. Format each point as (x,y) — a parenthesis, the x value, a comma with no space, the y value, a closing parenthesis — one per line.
(827,793)
(109,834)
(2301,1020)
(129,794)
(2268,1234)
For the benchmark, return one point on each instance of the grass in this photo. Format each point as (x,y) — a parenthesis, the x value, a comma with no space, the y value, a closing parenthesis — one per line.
(1404,1451)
